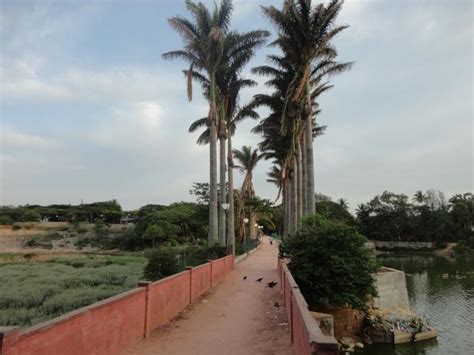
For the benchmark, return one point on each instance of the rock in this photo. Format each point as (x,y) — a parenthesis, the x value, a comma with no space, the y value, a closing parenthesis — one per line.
(359,345)
(204,301)
(445,276)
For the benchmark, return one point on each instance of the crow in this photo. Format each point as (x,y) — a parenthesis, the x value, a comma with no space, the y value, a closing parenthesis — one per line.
(272,284)
(259,280)
(244,278)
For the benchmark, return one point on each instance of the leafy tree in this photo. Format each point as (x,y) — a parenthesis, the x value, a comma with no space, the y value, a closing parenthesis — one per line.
(330,263)
(334,211)
(30,216)
(6,220)
(201,191)
(163,232)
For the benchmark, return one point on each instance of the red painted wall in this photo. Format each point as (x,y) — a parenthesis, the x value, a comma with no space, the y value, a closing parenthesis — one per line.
(306,336)
(167,298)
(105,327)
(201,280)
(218,271)
(229,263)
(113,325)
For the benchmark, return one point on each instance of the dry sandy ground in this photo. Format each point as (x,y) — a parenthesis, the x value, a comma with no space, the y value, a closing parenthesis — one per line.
(238,317)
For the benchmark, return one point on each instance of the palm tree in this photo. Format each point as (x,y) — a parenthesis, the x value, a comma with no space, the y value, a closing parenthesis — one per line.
(304,37)
(213,52)
(283,141)
(238,50)
(248,159)
(343,203)
(203,38)
(419,197)
(234,115)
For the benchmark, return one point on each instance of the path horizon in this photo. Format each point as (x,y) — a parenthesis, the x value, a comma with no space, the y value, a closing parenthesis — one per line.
(237,317)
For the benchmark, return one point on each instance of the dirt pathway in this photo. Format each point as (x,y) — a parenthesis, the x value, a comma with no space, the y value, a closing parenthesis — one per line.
(238,317)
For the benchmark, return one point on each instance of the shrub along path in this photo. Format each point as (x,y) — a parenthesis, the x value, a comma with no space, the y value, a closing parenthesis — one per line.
(238,317)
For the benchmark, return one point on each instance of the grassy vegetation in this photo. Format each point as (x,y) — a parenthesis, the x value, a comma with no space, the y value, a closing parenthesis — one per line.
(32,292)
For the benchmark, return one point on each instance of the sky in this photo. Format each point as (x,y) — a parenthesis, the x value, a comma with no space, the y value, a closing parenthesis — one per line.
(91,112)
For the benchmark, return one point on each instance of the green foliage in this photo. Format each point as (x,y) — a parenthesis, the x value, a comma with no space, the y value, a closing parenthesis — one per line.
(330,263)
(39,243)
(101,229)
(163,233)
(161,263)
(181,222)
(201,191)
(30,216)
(16,227)
(6,220)
(35,291)
(335,211)
(464,247)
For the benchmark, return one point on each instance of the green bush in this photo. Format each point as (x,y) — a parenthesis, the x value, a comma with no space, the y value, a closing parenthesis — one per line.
(161,263)
(52,236)
(330,263)
(464,247)
(35,242)
(196,255)
(16,227)
(81,230)
(6,220)
(30,216)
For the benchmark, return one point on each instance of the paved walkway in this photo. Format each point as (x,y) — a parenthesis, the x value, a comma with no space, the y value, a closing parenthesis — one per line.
(237,317)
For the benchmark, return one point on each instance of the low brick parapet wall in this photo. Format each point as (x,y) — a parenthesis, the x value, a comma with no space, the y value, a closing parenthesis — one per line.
(306,336)
(116,323)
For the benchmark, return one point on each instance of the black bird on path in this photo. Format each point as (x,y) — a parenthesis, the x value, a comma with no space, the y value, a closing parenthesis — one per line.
(259,280)
(245,277)
(272,284)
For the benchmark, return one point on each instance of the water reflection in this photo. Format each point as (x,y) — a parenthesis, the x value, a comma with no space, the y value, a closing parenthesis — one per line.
(441,290)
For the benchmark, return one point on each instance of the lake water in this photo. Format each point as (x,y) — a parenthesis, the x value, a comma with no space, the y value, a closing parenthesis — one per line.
(447,303)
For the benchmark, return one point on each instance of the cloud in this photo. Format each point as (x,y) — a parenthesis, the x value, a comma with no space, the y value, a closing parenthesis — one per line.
(38,27)
(16,140)
(30,80)
(132,127)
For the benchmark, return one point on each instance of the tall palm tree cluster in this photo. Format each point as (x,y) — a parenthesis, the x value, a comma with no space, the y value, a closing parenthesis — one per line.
(216,56)
(298,76)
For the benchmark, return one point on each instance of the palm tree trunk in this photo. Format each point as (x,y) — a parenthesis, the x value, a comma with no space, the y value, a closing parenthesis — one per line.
(253,221)
(303,175)
(299,165)
(285,209)
(213,222)
(290,205)
(310,202)
(294,199)
(230,173)
(222,196)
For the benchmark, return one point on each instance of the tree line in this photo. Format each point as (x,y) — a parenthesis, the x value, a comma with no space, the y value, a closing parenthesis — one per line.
(108,211)
(428,216)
